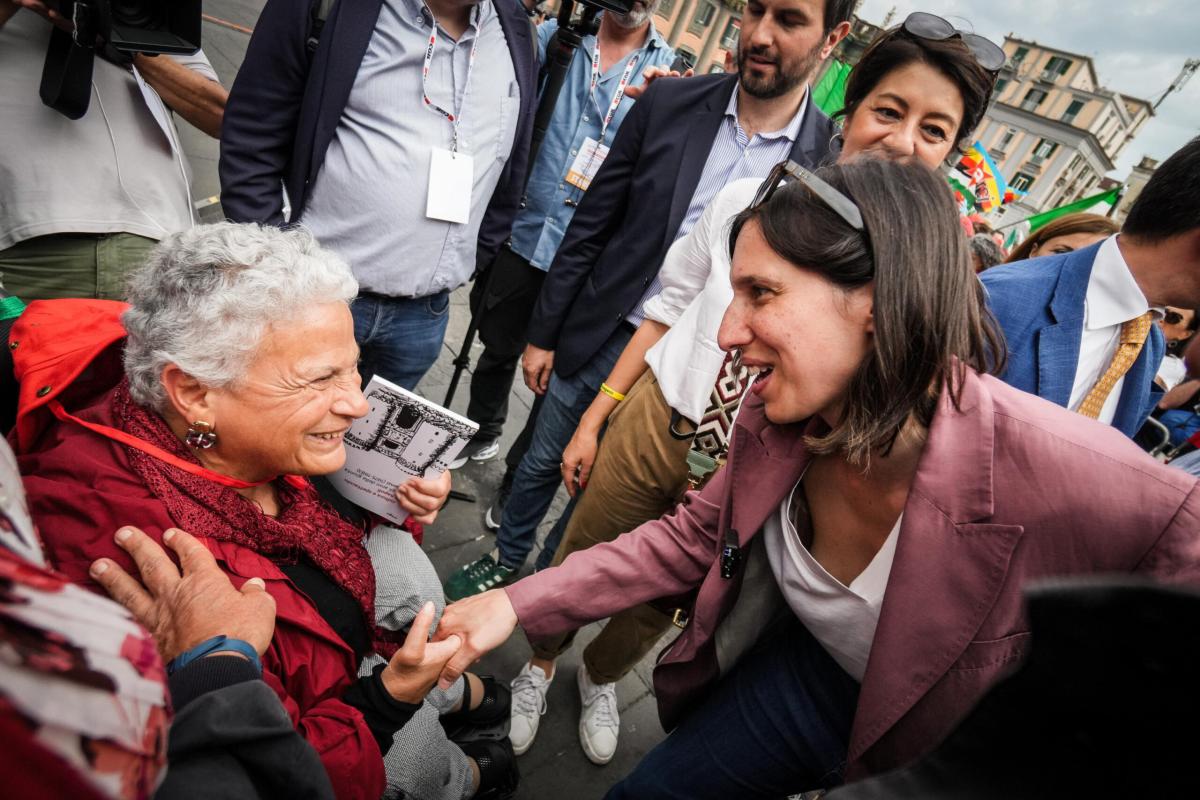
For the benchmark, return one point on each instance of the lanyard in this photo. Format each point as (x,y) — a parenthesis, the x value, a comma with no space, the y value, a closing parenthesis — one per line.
(616,99)
(129,440)
(455,118)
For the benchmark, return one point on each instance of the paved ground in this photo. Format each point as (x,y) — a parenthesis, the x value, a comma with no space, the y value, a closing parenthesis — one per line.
(555,767)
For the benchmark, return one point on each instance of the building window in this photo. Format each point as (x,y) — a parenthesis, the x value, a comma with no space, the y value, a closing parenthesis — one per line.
(1058,65)
(1006,139)
(1020,54)
(1021,182)
(729,38)
(1073,111)
(704,15)
(665,8)
(715,68)
(1000,84)
(1033,99)
(1044,150)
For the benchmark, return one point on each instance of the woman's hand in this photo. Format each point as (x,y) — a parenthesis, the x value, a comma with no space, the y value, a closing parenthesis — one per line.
(410,674)
(482,623)
(183,610)
(422,498)
(579,457)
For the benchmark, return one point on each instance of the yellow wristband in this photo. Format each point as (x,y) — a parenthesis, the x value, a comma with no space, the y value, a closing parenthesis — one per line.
(611,392)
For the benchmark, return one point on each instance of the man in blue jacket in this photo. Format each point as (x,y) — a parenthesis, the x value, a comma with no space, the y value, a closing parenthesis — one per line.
(400,130)
(1081,327)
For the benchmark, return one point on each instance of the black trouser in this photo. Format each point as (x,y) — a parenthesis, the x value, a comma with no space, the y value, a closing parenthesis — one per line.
(506,310)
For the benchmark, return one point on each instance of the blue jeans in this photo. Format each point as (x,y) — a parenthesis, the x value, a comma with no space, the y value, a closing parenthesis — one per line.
(400,337)
(777,724)
(538,475)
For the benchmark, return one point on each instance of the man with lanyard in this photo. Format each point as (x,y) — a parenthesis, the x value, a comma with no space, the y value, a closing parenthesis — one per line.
(682,142)
(589,111)
(400,130)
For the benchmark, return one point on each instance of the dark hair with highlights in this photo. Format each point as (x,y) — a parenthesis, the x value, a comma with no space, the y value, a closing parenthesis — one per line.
(931,321)
(896,48)
(1068,225)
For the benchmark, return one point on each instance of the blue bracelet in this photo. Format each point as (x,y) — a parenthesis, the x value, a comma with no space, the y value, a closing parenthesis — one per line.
(217,644)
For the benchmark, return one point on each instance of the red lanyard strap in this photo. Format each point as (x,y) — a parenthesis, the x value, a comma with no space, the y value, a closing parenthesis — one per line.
(129,440)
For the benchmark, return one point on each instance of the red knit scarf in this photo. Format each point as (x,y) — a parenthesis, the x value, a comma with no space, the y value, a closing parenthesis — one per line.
(205,508)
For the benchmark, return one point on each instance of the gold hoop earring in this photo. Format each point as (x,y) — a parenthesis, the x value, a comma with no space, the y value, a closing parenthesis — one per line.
(200,435)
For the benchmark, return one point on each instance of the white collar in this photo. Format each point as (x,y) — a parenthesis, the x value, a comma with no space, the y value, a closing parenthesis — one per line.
(1113,296)
(790,132)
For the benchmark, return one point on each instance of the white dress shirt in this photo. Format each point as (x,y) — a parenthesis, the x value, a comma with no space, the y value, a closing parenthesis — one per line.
(842,618)
(1113,298)
(695,293)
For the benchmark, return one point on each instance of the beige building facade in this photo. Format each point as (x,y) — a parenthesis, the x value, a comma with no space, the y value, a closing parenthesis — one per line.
(705,30)
(1052,129)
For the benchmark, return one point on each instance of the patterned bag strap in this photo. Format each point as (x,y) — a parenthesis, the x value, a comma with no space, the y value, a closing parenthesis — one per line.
(710,445)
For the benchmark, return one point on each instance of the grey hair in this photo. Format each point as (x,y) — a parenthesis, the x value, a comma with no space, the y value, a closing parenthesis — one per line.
(206,296)
(984,247)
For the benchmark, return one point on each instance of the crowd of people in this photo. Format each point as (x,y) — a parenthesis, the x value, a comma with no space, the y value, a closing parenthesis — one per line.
(807,415)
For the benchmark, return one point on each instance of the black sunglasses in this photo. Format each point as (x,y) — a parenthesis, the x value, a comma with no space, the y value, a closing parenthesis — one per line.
(930,26)
(788,171)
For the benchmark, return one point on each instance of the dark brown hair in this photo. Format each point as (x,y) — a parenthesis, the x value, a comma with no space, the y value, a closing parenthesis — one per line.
(1063,226)
(930,317)
(896,48)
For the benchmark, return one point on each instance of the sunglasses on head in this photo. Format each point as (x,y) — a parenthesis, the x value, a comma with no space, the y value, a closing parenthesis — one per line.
(1172,317)
(930,26)
(788,171)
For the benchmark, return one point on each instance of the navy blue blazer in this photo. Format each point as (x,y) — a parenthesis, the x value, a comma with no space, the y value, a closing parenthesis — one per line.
(282,113)
(1040,305)
(628,218)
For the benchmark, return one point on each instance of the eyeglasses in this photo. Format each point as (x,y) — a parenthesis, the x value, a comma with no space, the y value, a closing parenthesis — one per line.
(930,26)
(788,171)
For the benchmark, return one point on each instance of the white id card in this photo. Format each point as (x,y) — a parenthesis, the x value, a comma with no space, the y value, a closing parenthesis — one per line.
(584,168)
(451,176)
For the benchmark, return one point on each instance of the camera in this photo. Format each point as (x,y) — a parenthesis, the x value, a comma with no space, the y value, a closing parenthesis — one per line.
(117,29)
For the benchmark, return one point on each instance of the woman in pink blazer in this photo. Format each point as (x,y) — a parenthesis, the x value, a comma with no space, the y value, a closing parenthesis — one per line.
(858,564)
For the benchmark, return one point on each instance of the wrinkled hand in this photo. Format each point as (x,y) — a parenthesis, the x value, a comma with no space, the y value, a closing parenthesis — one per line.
(650,75)
(537,363)
(410,674)
(422,498)
(578,458)
(482,623)
(181,611)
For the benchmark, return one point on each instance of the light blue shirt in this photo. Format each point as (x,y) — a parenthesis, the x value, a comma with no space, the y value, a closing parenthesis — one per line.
(368,201)
(540,225)
(734,156)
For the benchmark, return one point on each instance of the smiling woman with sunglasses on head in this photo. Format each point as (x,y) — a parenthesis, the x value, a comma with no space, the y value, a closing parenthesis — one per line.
(858,562)
(911,97)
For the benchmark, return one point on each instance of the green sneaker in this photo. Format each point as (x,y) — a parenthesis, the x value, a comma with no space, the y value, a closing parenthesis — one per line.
(479,576)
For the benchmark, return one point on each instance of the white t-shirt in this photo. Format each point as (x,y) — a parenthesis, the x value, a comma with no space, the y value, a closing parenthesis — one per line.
(111,171)
(842,618)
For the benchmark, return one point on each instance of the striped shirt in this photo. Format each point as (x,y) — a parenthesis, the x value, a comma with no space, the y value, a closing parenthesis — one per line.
(734,156)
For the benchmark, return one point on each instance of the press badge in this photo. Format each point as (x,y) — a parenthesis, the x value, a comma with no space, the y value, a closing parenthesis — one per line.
(591,156)
(451,176)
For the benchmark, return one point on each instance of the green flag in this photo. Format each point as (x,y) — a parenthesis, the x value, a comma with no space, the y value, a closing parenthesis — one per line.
(1109,197)
(830,92)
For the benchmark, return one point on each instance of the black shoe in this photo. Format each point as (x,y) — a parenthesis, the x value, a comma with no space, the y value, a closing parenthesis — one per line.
(489,720)
(498,775)
(495,511)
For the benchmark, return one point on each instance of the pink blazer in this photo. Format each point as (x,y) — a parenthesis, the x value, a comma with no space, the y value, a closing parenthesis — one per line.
(1010,489)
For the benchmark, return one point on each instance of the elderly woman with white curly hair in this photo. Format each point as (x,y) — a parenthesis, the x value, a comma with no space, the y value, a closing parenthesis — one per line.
(240,378)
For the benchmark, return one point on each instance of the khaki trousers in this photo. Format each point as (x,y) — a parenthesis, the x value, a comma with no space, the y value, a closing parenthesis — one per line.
(640,474)
(73,265)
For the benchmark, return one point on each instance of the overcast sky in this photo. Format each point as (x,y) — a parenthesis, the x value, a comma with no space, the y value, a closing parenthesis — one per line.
(1137,48)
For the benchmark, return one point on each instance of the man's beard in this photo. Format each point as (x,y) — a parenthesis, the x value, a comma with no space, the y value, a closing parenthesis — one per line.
(637,17)
(781,82)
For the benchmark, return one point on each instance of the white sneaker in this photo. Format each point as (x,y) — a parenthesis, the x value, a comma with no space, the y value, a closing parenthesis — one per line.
(528,705)
(599,723)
